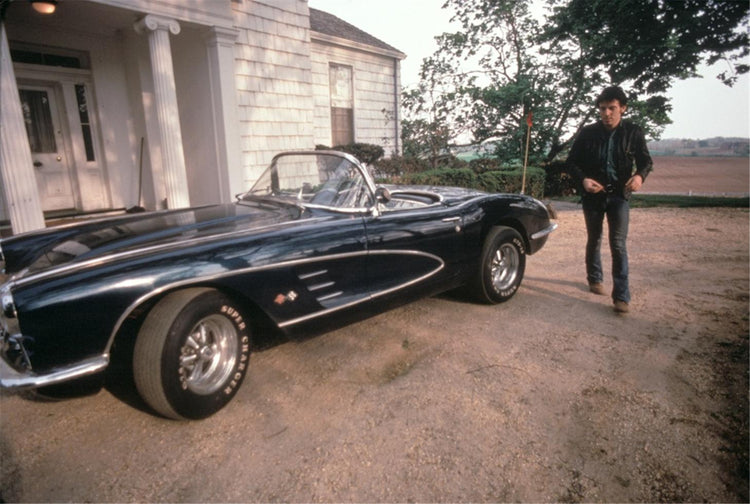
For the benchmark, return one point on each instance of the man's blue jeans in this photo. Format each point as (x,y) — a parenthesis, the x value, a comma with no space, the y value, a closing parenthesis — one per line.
(617,211)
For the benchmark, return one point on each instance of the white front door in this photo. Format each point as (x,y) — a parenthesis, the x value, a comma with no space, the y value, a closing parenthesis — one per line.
(43,115)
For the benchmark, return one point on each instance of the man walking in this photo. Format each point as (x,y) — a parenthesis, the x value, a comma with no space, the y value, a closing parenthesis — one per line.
(610,160)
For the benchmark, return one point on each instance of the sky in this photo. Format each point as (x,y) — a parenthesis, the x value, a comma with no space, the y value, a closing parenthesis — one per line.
(701,107)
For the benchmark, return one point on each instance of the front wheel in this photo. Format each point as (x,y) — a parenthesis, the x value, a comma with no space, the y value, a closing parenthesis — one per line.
(502,266)
(191,354)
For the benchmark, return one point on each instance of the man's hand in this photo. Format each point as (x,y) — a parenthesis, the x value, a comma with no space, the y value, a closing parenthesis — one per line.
(592,186)
(635,183)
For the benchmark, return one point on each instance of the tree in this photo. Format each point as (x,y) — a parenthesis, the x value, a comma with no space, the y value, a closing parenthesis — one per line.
(479,85)
(650,43)
(506,61)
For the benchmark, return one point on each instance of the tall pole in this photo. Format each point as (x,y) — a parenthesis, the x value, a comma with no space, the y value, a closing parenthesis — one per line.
(526,156)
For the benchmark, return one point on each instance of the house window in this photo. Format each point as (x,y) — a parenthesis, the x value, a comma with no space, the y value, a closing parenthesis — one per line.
(342,105)
(47,56)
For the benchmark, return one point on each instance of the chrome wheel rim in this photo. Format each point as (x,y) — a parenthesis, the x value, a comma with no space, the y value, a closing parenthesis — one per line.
(504,267)
(208,355)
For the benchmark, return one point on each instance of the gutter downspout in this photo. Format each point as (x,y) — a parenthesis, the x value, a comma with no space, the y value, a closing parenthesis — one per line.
(397,104)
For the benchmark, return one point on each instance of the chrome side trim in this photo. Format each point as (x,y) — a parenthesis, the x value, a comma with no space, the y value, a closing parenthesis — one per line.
(98,261)
(360,301)
(296,262)
(17,380)
(544,232)
(329,296)
(313,288)
(313,274)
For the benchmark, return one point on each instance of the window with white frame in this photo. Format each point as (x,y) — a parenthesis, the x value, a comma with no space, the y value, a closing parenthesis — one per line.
(342,105)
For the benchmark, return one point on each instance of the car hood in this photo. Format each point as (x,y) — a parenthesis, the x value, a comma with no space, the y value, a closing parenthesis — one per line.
(40,250)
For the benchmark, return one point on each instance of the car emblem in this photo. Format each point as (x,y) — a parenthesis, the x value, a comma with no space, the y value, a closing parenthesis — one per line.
(283,298)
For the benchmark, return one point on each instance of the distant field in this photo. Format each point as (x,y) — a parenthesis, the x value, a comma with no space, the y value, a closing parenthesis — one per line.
(699,175)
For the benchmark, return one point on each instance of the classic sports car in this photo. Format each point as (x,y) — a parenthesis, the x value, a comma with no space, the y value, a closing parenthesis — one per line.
(314,242)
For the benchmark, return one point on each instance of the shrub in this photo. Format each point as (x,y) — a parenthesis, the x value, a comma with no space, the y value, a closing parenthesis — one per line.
(486,174)
(481,165)
(462,177)
(367,153)
(512,181)
(509,181)
(396,166)
(448,161)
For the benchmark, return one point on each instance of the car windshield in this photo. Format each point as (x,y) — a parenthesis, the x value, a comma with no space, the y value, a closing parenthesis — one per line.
(315,179)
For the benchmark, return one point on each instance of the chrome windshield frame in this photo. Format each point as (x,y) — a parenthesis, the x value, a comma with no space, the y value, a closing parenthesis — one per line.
(369,183)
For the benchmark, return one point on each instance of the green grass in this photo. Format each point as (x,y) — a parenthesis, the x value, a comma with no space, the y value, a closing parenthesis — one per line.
(677,201)
(682,201)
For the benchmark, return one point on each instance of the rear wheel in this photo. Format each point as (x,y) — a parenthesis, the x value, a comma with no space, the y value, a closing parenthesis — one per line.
(502,266)
(191,354)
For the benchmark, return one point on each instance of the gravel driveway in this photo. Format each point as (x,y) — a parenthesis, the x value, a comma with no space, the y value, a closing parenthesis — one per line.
(549,397)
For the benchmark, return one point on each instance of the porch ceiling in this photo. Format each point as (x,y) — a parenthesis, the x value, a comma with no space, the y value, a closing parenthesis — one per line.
(88,17)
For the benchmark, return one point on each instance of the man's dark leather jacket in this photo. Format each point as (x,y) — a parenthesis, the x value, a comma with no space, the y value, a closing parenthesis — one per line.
(631,156)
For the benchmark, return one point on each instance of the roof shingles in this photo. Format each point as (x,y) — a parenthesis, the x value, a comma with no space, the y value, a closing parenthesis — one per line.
(328,24)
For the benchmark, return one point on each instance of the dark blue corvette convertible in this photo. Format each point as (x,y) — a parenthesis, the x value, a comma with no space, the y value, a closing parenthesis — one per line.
(314,242)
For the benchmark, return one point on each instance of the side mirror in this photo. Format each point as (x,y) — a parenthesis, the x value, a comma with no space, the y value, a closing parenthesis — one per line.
(382,195)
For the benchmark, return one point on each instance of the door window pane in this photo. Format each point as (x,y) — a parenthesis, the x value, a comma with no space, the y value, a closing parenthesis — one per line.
(83,114)
(38,120)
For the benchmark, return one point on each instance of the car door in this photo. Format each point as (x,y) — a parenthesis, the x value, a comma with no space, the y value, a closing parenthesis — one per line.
(414,246)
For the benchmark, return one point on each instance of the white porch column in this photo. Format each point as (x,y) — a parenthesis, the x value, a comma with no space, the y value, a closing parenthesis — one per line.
(16,166)
(165,101)
(220,44)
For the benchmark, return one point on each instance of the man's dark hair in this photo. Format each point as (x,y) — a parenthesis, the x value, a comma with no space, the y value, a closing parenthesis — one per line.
(612,93)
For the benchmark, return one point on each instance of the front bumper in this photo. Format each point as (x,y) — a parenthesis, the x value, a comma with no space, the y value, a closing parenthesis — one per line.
(544,232)
(538,239)
(13,379)
(16,371)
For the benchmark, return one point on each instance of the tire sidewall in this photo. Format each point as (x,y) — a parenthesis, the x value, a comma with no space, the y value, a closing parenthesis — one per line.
(497,238)
(184,402)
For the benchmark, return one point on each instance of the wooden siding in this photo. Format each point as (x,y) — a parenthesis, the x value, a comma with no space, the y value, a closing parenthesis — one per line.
(374,94)
(273,76)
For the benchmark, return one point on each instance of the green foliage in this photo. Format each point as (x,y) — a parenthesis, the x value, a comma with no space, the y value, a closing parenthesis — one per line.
(485,164)
(678,201)
(367,153)
(488,175)
(396,166)
(672,38)
(512,181)
(461,177)
(503,63)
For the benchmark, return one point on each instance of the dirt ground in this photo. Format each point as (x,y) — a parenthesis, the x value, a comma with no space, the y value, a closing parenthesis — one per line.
(729,176)
(549,397)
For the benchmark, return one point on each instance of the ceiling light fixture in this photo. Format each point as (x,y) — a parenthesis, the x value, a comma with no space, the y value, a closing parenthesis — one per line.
(44,6)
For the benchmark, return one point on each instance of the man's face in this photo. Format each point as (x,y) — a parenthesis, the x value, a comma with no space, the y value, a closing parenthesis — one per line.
(611,113)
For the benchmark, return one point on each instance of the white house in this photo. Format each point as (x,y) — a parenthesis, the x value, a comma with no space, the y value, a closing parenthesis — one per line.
(114,104)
